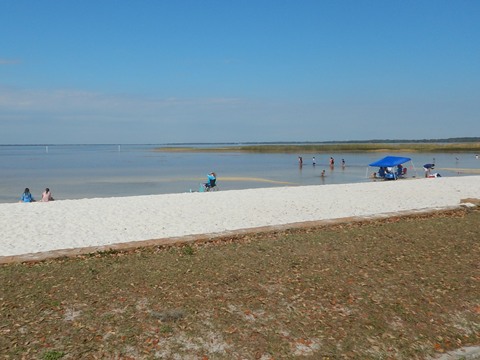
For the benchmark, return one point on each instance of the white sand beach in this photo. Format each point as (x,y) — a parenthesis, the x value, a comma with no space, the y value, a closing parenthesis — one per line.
(30,230)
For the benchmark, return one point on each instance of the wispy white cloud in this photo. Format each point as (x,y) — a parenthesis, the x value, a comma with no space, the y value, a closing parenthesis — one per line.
(81,101)
(116,117)
(4,61)
(76,107)
(136,118)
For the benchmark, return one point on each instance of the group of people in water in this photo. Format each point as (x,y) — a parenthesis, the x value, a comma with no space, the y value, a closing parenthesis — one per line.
(314,161)
(331,162)
(27,196)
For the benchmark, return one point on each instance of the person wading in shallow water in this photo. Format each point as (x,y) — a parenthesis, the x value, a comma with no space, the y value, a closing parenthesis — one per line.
(332,162)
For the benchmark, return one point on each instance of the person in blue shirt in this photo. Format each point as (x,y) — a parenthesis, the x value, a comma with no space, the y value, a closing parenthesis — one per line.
(428,168)
(27,196)
(212,178)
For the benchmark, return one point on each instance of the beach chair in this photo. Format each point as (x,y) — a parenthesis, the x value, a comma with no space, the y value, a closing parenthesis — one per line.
(400,171)
(381,172)
(390,176)
(211,185)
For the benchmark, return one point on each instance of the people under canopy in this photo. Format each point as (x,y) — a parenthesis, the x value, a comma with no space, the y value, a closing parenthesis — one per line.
(386,167)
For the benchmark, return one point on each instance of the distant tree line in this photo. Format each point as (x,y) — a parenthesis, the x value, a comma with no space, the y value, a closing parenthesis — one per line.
(397,141)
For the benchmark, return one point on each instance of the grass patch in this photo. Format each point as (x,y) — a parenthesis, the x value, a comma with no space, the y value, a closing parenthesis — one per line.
(342,147)
(53,355)
(188,250)
(389,289)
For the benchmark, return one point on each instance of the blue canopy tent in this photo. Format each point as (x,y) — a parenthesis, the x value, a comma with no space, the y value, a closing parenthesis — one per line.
(389,162)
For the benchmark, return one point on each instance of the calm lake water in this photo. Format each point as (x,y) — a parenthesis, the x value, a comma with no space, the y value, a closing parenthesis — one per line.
(86,171)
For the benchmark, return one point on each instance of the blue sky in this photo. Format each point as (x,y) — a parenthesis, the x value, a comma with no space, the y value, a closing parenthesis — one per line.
(151,71)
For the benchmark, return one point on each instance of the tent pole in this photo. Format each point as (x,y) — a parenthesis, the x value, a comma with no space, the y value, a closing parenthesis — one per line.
(414,170)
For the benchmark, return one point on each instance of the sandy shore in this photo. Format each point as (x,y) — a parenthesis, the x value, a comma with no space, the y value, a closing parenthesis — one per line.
(90,223)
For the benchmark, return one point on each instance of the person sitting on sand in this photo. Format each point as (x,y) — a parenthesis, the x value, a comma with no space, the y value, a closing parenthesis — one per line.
(27,196)
(399,169)
(381,172)
(212,180)
(47,196)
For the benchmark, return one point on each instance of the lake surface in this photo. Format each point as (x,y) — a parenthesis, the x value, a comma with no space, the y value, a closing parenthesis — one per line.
(86,171)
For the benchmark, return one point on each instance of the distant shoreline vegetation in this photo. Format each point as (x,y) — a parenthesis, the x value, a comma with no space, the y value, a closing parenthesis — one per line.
(440,146)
